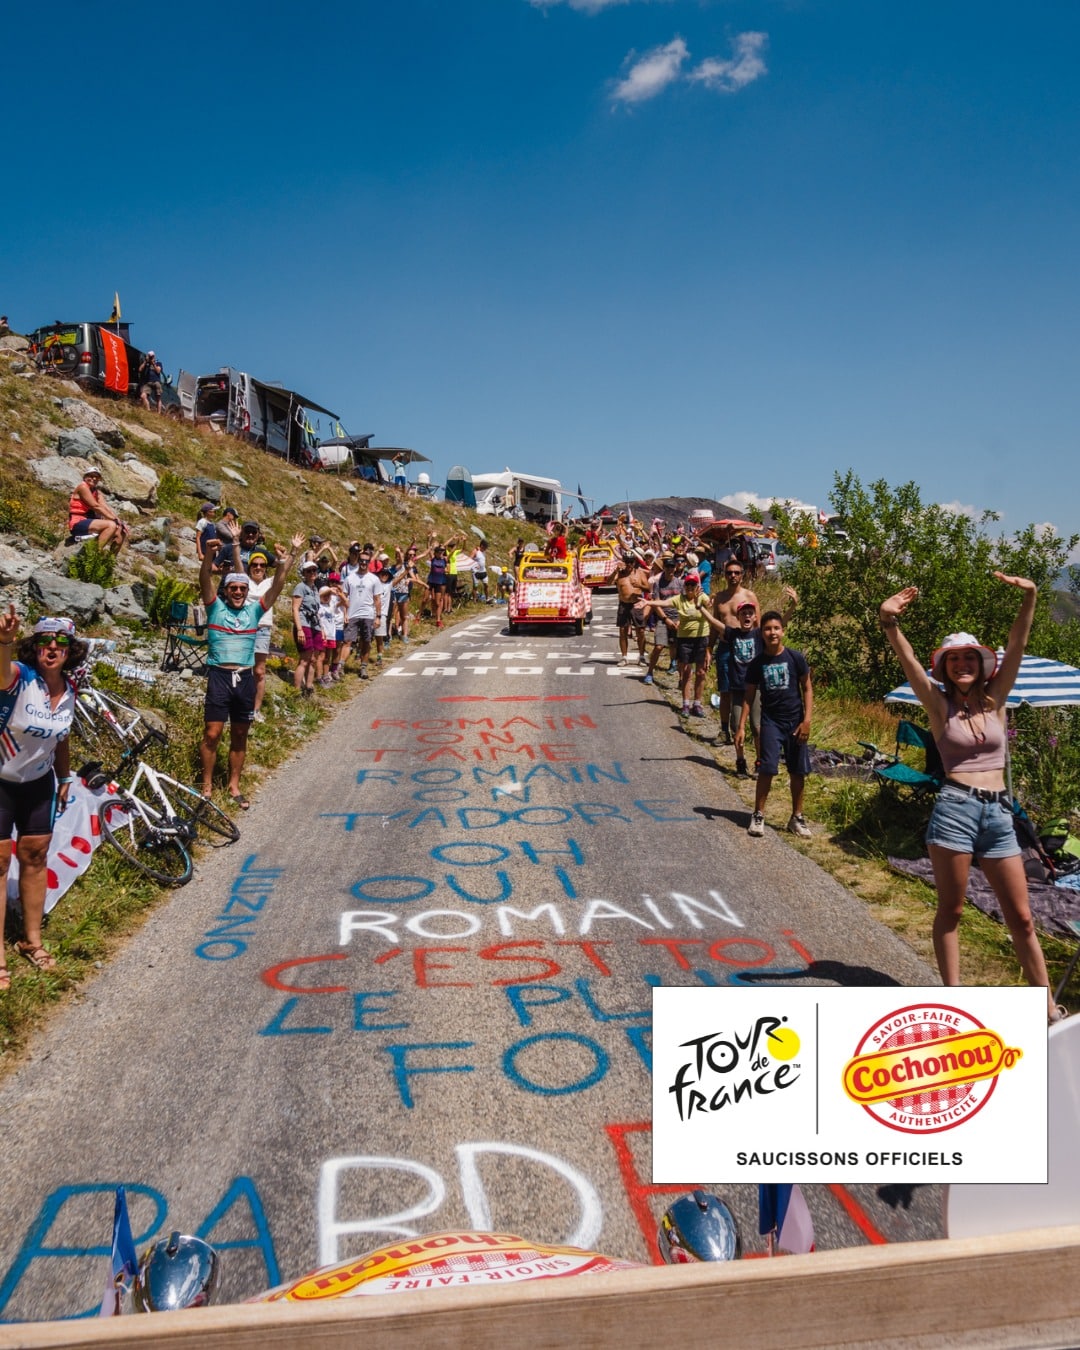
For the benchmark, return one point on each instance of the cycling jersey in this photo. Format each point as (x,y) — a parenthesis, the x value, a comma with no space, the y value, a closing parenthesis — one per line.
(30,727)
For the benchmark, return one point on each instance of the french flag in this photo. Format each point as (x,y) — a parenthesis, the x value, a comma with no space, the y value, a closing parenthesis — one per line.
(123,1263)
(783,1215)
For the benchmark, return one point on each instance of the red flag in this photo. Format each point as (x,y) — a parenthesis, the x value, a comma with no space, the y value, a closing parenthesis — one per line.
(116,362)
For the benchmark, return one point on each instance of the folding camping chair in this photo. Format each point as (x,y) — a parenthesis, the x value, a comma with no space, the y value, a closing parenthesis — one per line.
(900,775)
(185,647)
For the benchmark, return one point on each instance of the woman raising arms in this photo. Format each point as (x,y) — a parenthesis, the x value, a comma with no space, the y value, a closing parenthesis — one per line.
(972,817)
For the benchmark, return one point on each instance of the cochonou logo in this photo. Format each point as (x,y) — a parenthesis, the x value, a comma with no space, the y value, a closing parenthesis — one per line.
(926,1068)
(725,1068)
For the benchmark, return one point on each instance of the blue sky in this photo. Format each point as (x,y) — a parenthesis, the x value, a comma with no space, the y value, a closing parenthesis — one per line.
(655,246)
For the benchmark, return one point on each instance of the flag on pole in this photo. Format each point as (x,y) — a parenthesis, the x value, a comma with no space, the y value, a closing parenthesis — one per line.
(784,1217)
(124,1261)
(114,317)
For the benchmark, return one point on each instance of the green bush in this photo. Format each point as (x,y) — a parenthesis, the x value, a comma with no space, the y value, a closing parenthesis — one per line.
(166,591)
(94,564)
(173,493)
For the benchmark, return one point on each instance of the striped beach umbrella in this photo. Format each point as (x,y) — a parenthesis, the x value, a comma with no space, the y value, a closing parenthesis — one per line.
(1041,683)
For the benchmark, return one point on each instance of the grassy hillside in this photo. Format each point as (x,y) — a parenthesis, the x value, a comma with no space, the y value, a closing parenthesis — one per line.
(282,497)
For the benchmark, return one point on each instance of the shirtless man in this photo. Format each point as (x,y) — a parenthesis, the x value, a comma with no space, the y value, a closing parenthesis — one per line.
(632,583)
(726,605)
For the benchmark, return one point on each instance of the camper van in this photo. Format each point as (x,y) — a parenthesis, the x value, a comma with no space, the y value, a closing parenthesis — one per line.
(267,414)
(520,495)
(98,356)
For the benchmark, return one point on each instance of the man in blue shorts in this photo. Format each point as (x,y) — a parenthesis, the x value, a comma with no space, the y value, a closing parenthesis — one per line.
(787,703)
(232,624)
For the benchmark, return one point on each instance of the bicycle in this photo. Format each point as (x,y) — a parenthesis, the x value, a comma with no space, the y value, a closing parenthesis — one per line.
(155,834)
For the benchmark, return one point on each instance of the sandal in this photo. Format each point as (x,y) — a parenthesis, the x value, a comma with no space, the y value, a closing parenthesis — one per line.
(238,799)
(37,956)
(5,978)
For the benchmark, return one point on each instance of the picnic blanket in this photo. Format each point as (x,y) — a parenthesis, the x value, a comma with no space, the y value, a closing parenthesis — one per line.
(1052,907)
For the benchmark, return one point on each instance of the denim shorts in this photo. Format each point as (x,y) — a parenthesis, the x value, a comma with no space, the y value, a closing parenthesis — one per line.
(775,743)
(964,824)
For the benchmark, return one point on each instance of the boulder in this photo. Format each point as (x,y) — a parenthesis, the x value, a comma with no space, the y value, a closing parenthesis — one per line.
(350,488)
(13,342)
(16,567)
(122,603)
(140,433)
(83,415)
(149,549)
(78,600)
(207,489)
(59,475)
(131,479)
(236,477)
(78,443)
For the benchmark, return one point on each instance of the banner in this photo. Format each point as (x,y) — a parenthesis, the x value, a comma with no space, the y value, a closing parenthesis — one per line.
(875,1084)
(117,377)
(76,835)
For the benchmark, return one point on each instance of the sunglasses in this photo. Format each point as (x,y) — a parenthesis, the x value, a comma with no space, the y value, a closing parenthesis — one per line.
(257,566)
(733,571)
(47,639)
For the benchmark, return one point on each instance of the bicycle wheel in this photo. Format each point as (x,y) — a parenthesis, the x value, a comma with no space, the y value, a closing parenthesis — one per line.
(156,852)
(209,822)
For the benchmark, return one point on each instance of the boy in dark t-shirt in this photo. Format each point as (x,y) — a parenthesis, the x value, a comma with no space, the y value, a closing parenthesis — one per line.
(744,645)
(787,701)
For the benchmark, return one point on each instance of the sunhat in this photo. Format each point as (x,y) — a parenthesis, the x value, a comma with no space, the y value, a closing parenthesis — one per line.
(957,642)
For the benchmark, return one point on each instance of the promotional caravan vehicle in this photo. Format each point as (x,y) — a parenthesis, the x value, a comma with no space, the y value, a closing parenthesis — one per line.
(98,356)
(269,415)
(549,591)
(530,497)
(597,564)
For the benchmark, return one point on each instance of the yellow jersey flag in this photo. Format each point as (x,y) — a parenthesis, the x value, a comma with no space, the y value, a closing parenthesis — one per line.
(114,317)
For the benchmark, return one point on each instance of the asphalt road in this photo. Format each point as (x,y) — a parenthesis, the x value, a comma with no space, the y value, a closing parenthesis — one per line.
(416,993)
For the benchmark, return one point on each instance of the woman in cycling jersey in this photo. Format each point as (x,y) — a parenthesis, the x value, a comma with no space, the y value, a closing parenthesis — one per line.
(37,703)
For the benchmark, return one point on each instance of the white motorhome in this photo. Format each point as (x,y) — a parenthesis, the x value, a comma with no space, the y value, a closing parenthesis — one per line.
(268,414)
(524,495)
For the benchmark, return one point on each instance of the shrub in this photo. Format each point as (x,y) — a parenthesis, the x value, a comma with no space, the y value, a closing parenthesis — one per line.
(166,591)
(94,564)
(173,493)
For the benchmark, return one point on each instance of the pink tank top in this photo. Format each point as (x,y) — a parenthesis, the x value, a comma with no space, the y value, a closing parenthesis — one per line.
(961,753)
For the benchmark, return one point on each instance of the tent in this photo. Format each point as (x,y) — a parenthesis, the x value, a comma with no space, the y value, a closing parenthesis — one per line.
(459,486)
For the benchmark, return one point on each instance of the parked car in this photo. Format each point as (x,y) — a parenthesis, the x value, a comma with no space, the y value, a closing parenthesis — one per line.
(549,591)
(100,358)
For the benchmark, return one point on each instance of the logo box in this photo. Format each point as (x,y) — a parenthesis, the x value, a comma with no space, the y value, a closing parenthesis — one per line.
(849,1085)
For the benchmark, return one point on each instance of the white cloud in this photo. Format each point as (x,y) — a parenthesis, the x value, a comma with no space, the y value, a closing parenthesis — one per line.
(583,6)
(962,509)
(745,66)
(741,500)
(650,74)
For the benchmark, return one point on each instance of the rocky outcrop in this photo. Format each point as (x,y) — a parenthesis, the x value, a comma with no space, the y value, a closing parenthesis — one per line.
(127,480)
(209,489)
(16,567)
(83,415)
(78,600)
(122,603)
(79,443)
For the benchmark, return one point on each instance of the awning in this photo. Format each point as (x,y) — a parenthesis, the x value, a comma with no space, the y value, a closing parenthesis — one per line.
(392,452)
(292,395)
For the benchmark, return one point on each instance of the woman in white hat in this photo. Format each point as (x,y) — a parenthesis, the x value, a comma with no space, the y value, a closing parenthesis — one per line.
(972,816)
(89,513)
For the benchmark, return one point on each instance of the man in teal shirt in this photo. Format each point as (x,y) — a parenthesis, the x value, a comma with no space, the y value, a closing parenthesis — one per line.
(232,621)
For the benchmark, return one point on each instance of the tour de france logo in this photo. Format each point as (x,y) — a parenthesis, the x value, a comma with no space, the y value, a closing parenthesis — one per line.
(724,1068)
(926,1068)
